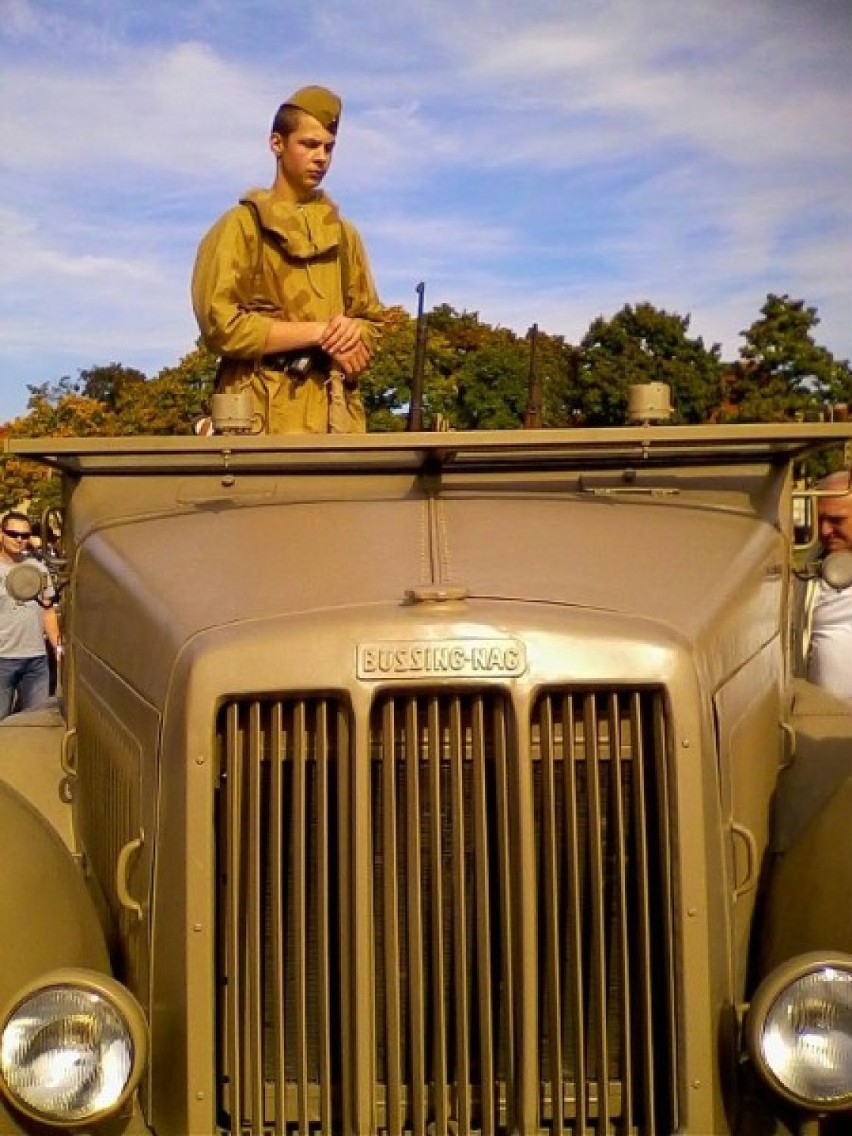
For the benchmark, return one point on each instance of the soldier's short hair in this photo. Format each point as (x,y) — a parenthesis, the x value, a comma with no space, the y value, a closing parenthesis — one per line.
(286,119)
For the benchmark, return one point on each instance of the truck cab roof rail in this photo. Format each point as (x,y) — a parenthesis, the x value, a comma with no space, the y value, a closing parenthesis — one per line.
(477,450)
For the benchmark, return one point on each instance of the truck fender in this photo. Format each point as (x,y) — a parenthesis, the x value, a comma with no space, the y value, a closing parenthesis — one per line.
(808,905)
(47,916)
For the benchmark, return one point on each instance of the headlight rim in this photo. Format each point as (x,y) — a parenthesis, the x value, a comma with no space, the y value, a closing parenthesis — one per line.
(121,1001)
(765,997)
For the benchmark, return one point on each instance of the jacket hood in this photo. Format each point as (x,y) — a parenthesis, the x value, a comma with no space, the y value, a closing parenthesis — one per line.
(308,230)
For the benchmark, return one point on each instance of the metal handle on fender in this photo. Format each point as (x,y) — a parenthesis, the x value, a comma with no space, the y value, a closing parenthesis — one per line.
(750,878)
(121,872)
(68,752)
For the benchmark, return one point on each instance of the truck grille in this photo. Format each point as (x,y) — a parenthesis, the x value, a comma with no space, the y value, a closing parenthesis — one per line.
(451,923)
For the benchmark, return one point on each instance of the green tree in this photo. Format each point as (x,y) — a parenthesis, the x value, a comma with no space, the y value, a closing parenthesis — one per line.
(470,372)
(641,345)
(386,387)
(106,383)
(171,402)
(492,384)
(478,376)
(462,331)
(557,365)
(782,373)
(112,384)
(455,340)
(840,385)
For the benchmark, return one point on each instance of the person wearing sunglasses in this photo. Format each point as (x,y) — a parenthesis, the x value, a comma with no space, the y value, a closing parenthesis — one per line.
(25,627)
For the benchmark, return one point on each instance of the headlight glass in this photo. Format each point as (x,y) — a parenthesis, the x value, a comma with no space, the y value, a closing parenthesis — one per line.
(66,1054)
(806,1040)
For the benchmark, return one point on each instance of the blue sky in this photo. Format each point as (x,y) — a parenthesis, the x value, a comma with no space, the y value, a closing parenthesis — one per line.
(531,160)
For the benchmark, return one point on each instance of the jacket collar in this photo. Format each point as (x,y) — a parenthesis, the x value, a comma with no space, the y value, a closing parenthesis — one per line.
(308,229)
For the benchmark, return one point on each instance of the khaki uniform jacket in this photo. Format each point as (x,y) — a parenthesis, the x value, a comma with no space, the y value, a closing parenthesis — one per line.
(267,260)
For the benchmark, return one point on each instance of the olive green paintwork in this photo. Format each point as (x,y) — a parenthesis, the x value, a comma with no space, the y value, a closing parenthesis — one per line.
(201,569)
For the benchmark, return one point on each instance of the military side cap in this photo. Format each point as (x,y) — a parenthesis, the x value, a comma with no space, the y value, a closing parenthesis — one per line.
(320,103)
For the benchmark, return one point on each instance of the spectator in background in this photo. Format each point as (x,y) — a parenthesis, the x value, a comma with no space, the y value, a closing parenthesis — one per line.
(26,627)
(830,646)
(43,549)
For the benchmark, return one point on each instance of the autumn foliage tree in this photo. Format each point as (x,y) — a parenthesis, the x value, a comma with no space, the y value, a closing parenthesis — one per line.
(103,401)
(477,376)
(59,412)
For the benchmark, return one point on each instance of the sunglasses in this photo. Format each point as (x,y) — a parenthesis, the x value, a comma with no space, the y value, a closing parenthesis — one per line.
(17,535)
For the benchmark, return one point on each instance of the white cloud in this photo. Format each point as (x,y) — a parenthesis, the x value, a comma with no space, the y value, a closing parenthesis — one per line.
(19,19)
(170,111)
(540,162)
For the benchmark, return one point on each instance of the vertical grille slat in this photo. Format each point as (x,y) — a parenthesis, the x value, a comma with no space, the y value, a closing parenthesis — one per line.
(665,844)
(391,931)
(234,960)
(299,861)
(435,913)
(459,930)
(644,916)
(622,919)
(507,908)
(324,923)
(458,857)
(415,939)
(253,978)
(550,889)
(596,897)
(277,894)
(575,873)
(485,921)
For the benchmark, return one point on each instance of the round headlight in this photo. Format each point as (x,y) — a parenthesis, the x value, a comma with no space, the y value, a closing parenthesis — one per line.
(72,1051)
(800,1032)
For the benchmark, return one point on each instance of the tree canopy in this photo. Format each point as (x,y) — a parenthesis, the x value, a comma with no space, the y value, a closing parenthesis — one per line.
(782,373)
(642,345)
(478,376)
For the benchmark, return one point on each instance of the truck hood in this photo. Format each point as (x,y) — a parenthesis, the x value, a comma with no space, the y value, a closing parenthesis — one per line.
(708,577)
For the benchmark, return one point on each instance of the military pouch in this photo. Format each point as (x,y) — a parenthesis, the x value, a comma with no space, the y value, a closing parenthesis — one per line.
(346,414)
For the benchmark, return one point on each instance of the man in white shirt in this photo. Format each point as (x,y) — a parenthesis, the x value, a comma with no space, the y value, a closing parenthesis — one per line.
(830,654)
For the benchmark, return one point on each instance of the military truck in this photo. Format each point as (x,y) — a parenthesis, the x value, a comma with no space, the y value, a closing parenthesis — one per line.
(429,783)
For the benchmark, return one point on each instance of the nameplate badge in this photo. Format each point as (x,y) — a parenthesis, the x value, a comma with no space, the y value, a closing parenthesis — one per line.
(444,658)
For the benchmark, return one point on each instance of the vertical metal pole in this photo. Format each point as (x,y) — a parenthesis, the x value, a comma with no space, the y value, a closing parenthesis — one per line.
(415,409)
(532,416)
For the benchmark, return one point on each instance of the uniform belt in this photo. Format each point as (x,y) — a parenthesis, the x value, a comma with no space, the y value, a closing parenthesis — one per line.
(299,363)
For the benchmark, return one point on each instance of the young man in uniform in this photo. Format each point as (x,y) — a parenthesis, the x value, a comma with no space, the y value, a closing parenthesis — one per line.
(24,626)
(282,288)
